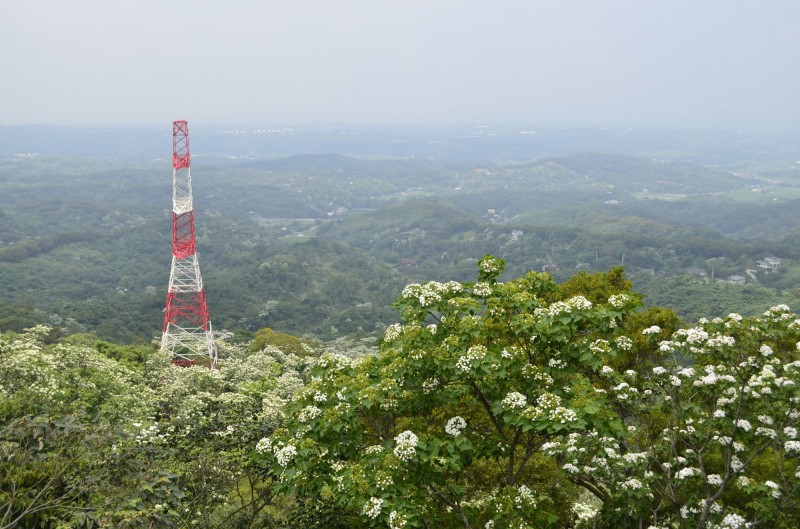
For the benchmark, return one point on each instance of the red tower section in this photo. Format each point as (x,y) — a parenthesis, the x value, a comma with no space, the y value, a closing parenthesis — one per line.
(187,332)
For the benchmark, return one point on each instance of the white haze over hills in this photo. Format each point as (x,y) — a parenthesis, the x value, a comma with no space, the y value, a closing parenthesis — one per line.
(712,64)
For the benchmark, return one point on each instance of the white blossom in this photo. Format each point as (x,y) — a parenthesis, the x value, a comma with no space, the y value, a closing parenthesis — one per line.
(455,425)
(792,446)
(406,445)
(744,424)
(264,445)
(632,484)
(733,521)
(285,455)
(396,520)
(618,301)
(372,509)
(686,472)
(515,400)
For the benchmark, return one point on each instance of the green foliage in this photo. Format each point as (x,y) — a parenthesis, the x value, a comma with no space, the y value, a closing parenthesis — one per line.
(445,426)
(285,342)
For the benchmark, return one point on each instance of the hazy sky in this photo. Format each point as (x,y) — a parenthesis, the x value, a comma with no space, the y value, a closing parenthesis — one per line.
(700,63)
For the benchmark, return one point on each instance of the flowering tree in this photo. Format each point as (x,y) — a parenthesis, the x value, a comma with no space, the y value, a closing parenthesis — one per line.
(712,434)
(66,456)
(445,427)
(86,441)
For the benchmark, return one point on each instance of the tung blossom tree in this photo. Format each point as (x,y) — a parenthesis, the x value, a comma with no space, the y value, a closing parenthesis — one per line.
(446,426)
(712,434)
(523,404)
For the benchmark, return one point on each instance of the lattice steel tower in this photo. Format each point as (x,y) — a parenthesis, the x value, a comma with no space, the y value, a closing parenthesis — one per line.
(187,326)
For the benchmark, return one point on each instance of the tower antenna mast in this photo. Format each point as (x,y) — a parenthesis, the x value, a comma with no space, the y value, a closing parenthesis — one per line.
(187,333)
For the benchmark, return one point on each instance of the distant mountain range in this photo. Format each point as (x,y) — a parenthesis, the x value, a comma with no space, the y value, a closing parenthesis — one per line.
(508,142)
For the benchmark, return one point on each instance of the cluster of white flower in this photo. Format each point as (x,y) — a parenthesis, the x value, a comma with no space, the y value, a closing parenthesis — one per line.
(431,292)
(619,301)
(776,493)
(624,343)
(536,373)
(396,520)
(150,435)
(406,445)
(790,431)
(490,265)
(744,424)
(721,340)
(687,472)
(564,307)
(372,509)
(606,370)
(695,335)
(631,484)
(429,384)
(476,352)
(563,415)
(455,425)
(514,400)
(340,362)
(777,310)
(633,458)
(599,346)
(585,512)
(734,521)
(524,497)
(285,455)
(579,303)
(393,332)
(572,469)
(792,446)
(264,445)
(383,481)
(373,449)
(714,479)
(655,329)
(309,413)
(482,289)
(766,432)
(766,350)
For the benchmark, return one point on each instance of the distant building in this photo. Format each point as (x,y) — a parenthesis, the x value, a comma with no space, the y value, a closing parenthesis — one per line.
(493,216)
(769,264)
(550,268)
(737,280)
(411,262)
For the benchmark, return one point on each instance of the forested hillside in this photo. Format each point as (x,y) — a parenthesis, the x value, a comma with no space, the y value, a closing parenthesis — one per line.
(624,360)
(320,244)
(492,404)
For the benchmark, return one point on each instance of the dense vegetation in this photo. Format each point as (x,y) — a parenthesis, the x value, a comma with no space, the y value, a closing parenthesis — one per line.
(516,403)
(320,244)
(518,399)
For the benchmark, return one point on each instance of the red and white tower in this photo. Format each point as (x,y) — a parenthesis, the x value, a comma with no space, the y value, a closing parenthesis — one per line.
(187,325)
